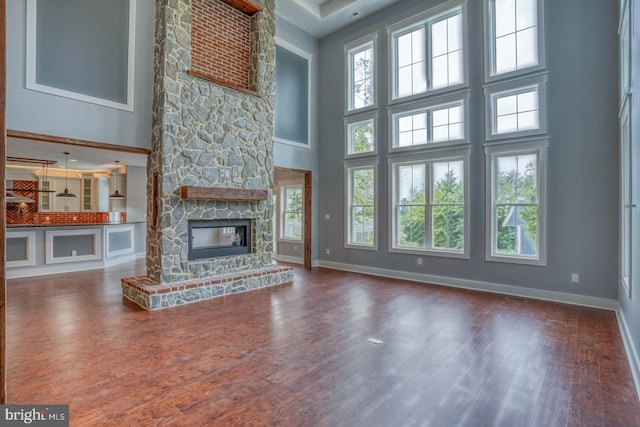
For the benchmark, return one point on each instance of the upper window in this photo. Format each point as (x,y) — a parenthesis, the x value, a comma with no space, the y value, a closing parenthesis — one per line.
(624,35)
(515,108)
(361,73)
(361,135)
(515,36)
(430,205)
(291,225)
(361,206)
(428,53)
(516,202)
(438,121)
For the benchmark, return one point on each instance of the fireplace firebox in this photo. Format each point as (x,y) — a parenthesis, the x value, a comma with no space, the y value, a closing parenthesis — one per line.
(219,237)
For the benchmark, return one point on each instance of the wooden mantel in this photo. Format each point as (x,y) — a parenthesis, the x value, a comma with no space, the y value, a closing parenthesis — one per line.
(216,193)
(244,6)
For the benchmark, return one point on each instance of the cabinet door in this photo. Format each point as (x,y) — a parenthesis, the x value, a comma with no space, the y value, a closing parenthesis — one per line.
(45,198)
(87,194)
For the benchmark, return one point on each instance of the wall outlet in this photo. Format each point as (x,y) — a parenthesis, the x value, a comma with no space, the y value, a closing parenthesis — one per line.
(327,216)
(328,251)
(75,218)
(295,248)
(46,218)
(419,261)
(575,278)
(74,253)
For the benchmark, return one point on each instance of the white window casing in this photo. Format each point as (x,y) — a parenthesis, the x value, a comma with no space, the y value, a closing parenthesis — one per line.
(516,202)
(361,204)
(516,108)
(361,64)
(361,135)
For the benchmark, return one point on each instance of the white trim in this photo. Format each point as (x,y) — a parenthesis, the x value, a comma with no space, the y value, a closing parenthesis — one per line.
(355,120)
(626,200)
(30,237)
(370,39)
(291,259)
(45,270)
(309,57)
(424,18)
(97,245)
(538,146)
(428,105)
(348,167)
(630,348)
(282,185)
(489,64)
(118,229)
(509,88)
(31,63)
(428,158)
(498,288)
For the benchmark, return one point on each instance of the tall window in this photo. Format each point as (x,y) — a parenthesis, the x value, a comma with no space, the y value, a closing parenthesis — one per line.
(516,197)
(429,53)
(515,36)
(429,209)
(627,207)
(361,73)
(292,212)
(361,209)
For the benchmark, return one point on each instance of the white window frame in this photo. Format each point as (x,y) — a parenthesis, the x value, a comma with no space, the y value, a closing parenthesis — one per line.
(489,44)
(349,168)
(428,158)
(31,63)
(625,31)
(353,121)
(309,58)
(369,41)
(627,208)
(492,152)
(428,106)
(512,87)
(282,212)
(426,18)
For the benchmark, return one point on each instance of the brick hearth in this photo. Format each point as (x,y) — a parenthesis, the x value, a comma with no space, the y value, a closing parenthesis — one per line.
(152,295)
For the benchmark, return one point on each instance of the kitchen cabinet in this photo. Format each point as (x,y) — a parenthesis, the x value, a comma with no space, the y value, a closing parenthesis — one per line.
(66,204)
(87,193)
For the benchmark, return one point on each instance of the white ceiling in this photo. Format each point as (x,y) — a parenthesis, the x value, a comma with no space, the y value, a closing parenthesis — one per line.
(322,17)
(80,158)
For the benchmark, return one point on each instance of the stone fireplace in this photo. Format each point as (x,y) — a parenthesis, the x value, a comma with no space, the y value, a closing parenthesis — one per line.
(212,160)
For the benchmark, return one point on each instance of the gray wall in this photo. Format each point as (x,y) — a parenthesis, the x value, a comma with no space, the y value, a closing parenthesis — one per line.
(294,157)
(583,156)
(33,111)
(630,307)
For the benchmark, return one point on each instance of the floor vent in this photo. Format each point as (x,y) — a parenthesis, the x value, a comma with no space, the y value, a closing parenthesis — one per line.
(517,299)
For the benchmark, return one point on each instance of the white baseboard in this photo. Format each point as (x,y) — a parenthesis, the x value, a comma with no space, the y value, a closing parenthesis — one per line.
(45,270)
(291,259)
(141,255)
(629,346)
(604,303)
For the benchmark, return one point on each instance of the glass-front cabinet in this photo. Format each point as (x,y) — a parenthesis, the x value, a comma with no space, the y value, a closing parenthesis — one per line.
(87,193)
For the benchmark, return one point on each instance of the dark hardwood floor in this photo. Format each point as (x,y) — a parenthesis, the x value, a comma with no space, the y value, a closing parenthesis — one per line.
(297,355)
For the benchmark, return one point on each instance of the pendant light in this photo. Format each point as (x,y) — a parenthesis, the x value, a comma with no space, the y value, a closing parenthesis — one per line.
(116,194)
(66,193)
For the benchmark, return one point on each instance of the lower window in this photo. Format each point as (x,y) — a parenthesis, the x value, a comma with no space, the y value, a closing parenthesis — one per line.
(516,202)
(429,210)
(361,206)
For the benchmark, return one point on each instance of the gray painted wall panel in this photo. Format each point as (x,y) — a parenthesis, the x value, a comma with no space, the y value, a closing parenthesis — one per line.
(33,111)
(583,156)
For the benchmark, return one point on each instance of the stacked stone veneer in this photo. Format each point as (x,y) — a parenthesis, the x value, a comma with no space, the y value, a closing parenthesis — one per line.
(212,136)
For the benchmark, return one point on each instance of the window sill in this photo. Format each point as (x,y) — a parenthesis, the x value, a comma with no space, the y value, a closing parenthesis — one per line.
(430,252)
